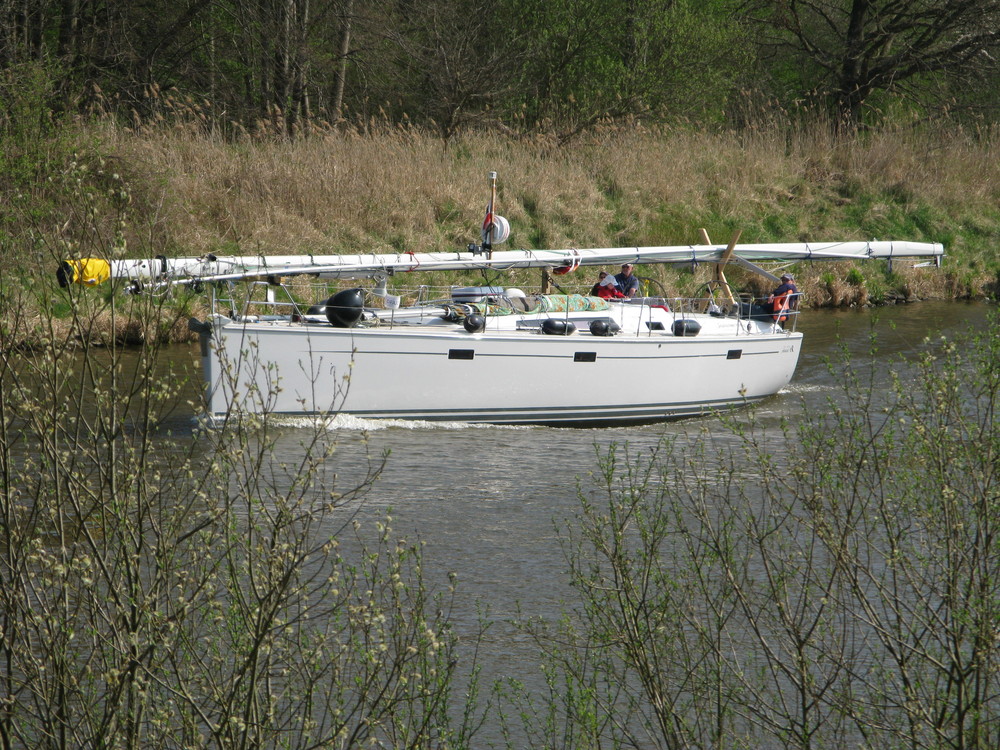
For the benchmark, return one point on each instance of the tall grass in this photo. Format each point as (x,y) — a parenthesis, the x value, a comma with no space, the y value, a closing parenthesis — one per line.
(399,179)
(401,188)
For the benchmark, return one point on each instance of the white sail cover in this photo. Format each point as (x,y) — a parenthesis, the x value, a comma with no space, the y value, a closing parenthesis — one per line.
(212,268)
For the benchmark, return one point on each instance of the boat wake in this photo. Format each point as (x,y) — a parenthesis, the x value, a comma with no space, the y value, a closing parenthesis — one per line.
(805,388)
(348,423)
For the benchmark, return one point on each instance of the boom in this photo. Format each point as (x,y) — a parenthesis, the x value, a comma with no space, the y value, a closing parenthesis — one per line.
(209,268)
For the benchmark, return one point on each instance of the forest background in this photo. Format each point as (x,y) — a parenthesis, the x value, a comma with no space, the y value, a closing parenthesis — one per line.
(351,125)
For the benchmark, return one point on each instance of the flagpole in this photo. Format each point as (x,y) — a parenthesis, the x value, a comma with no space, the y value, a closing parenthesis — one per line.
(492,176)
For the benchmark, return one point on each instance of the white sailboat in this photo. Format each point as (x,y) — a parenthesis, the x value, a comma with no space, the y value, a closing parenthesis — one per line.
(492,353)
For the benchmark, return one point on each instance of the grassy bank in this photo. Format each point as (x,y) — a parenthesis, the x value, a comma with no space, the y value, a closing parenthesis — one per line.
(100,188)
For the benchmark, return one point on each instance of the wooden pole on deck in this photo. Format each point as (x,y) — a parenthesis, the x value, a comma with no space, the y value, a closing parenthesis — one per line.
(546,279)
(720,276)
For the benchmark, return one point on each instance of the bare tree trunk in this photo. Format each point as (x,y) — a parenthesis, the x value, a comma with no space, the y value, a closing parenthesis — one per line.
(291,18)
(299,109)
(852,86)
(283,12)
(341,74)
(69,28)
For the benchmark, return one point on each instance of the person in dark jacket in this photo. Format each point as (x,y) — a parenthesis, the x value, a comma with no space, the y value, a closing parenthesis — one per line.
(627,283)
(784,299)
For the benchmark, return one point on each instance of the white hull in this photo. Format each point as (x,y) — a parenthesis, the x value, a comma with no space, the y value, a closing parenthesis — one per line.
(441,372)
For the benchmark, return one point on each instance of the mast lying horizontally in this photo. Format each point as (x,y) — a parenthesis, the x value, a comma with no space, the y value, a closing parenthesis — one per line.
(210,268)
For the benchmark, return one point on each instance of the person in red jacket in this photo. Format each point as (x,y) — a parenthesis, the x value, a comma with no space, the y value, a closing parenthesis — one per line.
(606,288)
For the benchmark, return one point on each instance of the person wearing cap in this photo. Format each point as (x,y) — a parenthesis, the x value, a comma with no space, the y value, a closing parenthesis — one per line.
(784,298)
(627,283)
(605,288)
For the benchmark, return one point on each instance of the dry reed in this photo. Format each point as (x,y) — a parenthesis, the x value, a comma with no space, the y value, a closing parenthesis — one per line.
(402,188)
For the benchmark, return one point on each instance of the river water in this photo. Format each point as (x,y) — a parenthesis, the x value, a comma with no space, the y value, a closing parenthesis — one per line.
(485,499)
